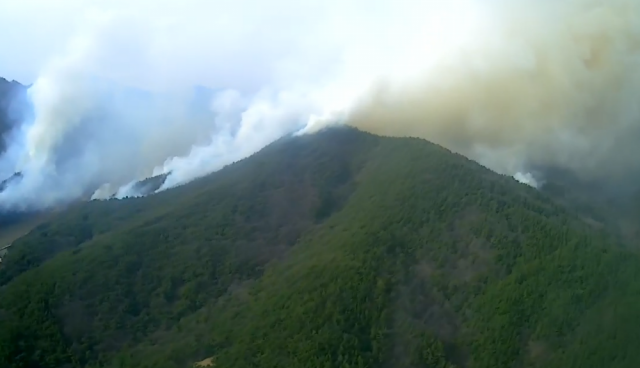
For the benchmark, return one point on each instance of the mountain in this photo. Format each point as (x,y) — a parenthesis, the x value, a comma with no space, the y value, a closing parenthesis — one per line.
(338,249)
(611,205)
(15,178)
(13,106)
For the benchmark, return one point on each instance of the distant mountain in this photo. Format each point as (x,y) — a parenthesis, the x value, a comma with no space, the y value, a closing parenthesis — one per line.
(14,107)
(10,180)
(339,249)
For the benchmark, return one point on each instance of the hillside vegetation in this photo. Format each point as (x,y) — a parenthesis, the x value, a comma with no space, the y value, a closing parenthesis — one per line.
(339,249)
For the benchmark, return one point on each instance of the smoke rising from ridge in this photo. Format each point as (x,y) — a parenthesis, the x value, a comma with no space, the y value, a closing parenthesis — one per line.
(547,84)
(514,84)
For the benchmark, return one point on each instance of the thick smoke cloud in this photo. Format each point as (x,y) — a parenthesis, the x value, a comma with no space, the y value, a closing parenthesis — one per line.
(515,84)
(121,102)
(543,84)
(89,130)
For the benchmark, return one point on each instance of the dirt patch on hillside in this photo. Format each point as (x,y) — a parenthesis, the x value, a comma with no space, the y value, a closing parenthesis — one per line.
(205,363)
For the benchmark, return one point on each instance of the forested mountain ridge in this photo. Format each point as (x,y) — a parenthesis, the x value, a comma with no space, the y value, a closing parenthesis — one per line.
(339,249)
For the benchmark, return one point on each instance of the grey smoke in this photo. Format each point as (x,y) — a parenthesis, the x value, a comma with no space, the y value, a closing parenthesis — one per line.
(514,84)
(546,84)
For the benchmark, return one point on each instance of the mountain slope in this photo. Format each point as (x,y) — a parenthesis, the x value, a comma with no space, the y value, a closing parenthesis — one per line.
(339,249)
(608,205)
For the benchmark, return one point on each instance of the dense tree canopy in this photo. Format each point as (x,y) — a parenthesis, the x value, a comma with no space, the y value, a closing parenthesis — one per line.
(339,249)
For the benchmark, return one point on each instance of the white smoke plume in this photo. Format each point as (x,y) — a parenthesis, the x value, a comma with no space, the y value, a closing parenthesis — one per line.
(511,83)
(88,130)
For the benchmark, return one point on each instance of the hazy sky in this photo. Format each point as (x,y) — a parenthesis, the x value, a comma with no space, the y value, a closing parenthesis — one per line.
(202,35)
(31,31)
(212,42)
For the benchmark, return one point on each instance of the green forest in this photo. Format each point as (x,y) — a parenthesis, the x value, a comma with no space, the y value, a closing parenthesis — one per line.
(338,249)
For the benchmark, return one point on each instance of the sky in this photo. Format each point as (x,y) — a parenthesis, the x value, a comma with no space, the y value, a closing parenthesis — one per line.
(513,84)
(202,35)
(32,32)
(237,42)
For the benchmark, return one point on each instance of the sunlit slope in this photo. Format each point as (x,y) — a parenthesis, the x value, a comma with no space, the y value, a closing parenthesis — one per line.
(339,249)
